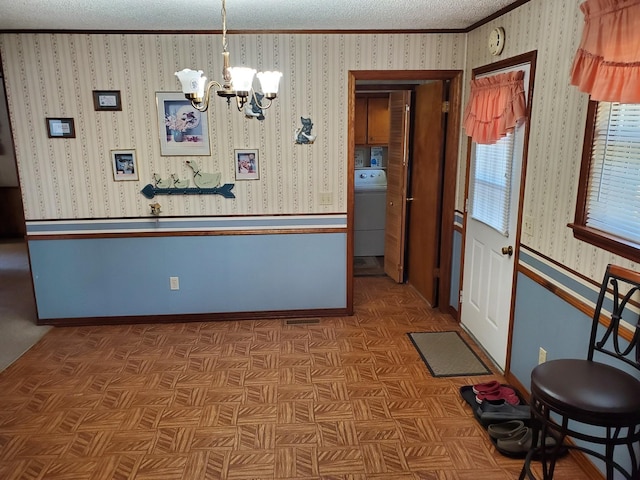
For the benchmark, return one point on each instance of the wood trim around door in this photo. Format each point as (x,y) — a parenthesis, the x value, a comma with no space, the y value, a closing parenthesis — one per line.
(452,140)
(529,57)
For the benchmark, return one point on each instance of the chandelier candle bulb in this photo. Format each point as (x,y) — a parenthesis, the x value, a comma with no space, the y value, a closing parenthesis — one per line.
(193,83)
(269,82)
(242,80)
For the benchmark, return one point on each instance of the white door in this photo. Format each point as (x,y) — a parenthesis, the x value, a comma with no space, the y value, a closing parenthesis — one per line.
(491,226)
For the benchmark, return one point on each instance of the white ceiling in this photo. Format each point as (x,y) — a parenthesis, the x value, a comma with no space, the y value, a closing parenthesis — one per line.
(279,15)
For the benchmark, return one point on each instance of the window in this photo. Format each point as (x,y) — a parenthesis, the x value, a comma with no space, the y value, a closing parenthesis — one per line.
(608,206)
(491,188)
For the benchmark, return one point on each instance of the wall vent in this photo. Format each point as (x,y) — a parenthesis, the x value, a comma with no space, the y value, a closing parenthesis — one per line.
(302,321)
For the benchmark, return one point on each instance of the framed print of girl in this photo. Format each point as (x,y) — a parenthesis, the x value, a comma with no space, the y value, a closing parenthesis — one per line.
(246,164)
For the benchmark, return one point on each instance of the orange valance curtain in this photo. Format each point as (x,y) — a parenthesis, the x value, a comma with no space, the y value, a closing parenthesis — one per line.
(496,105)
(607,63)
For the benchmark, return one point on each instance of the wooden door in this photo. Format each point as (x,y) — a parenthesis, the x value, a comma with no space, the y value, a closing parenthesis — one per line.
(424,207)
(397,168)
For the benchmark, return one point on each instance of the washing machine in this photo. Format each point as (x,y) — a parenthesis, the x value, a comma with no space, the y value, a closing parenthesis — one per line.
(370,190)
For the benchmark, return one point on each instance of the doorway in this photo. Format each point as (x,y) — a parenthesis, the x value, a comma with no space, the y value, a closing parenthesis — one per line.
(450,137)
(494,190)
(12,223)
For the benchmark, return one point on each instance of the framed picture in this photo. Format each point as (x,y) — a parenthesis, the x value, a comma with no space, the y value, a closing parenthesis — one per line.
(107,100)
(124,165)
(60,128)
(183,130)
(246,162)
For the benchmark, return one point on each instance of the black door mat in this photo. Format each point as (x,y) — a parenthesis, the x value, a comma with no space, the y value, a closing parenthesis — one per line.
(446,354)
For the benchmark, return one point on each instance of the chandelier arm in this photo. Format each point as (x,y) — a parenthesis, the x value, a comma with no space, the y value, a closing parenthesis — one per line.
(261,106)
(204,104)
(192,80)
(240,102)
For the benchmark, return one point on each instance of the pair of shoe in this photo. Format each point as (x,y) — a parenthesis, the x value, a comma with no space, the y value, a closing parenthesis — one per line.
(495,392)
(498,412)
(514,439)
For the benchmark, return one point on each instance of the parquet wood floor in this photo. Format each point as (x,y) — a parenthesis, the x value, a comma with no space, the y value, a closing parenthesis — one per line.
(348,398)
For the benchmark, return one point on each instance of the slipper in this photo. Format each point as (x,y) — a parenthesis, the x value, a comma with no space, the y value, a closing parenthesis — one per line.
(492,386)
(503,393)
(505,429)
(494,412)
(488,413)
(520,443)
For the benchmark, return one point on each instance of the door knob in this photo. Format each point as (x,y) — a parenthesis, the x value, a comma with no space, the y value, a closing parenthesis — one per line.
(507,250)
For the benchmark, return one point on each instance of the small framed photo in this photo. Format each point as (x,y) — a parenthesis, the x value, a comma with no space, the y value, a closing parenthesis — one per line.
(246,162)
(61,128)
(183,130)
(107,100)
(124,165)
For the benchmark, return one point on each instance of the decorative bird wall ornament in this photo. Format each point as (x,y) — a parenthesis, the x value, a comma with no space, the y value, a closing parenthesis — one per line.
(161,183)
(206,184)
(178,183)
(201,179)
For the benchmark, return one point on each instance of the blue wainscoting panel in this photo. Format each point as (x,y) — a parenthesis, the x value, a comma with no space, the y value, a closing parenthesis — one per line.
(542,319)
(96,277)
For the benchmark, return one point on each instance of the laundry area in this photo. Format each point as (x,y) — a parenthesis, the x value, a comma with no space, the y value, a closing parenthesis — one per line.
(370,182)
(370,192)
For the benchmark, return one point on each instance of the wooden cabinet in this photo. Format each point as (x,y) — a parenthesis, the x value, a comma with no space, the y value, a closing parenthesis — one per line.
(361,121)
(372,120)
(378,121)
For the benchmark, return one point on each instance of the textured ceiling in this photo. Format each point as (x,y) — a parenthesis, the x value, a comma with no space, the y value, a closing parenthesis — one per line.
(245,14)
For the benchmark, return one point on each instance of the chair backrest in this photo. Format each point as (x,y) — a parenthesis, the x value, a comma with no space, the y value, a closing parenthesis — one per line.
(618,287)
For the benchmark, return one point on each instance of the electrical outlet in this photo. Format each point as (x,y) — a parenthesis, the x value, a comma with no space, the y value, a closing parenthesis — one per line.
(326,198)
(174,283)
(527,225)
(542,355)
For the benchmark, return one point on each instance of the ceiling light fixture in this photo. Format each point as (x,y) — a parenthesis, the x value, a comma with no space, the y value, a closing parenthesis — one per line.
(238,81)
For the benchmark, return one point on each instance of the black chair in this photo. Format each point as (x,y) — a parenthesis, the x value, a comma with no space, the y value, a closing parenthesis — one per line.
(605,398)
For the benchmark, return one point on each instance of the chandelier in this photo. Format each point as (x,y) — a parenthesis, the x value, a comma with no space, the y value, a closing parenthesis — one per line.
(237,81)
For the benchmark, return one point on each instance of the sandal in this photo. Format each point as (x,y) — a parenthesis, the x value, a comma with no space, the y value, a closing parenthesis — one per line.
(488,413)
(521,443)
(505,429)
(503,393)
(492,386)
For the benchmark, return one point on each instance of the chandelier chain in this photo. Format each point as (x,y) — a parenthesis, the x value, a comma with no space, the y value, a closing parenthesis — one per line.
(224,26)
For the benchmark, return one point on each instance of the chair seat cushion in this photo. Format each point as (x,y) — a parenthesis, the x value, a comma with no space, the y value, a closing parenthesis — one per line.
(589,391)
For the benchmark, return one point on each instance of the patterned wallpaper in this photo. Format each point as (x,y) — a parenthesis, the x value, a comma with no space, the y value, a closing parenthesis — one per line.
(53,75)
(553,28)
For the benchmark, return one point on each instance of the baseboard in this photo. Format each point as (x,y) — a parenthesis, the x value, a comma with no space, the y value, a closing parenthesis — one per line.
(197,317)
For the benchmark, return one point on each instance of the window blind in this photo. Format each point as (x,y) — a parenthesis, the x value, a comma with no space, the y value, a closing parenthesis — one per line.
(491,195)
(613,194)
